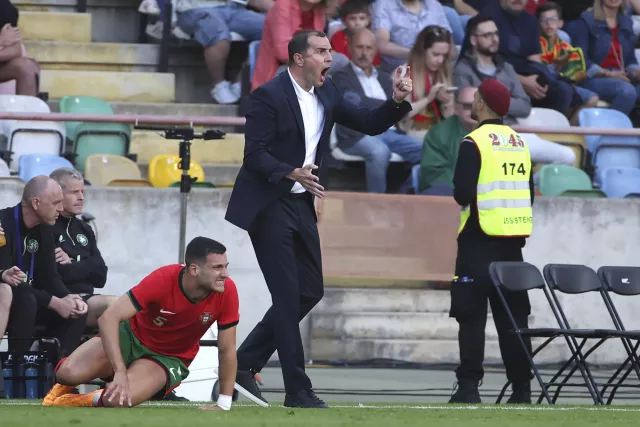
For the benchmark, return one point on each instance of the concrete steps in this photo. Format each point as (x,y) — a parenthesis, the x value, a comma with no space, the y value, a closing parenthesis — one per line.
(404,324)
(54,55)
(58,26)
(110,86)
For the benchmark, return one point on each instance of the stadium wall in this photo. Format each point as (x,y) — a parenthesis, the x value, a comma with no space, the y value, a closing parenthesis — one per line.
(138,231)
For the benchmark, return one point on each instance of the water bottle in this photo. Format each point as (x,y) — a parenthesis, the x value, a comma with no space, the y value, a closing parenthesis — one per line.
(31,384)
(47,384)
(7,374)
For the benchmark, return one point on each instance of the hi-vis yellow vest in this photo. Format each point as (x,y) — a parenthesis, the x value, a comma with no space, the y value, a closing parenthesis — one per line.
(503,194)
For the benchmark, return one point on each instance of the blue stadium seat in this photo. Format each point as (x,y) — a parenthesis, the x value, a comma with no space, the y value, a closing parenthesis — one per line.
(254,47)
(31,165)
(615,152)
(415,178)
(619,182)
(601,118)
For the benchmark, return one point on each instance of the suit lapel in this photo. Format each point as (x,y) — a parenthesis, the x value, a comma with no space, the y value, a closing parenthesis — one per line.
(292,98)
(328,117)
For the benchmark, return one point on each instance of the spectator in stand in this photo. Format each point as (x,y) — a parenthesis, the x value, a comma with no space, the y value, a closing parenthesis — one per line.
(479,60)
(284,19)
(441,145)
(605,34)
(366,87)
(572,9)
(210,23)
(355,15)
(560,55)
(520,47)
(465,10)
(397,24)
(13,65)
(431,60)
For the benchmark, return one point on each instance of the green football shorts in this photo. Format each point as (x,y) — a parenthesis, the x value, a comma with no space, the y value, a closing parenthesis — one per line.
(132,349)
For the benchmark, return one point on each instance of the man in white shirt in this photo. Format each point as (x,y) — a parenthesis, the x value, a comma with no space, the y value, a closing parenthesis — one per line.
(289,121)
(367,87)
(210,23)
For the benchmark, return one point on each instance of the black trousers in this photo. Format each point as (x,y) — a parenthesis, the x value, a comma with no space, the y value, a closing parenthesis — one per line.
(26,314)
(287,246)
(469,308)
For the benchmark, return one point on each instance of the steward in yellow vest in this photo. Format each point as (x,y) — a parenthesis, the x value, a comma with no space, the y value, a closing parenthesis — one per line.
(494,187)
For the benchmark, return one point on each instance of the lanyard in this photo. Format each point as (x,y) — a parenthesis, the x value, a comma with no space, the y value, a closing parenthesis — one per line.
(19,243)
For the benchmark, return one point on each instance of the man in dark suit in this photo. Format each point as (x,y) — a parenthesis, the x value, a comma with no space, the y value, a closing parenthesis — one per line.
(367,87)
(289,121)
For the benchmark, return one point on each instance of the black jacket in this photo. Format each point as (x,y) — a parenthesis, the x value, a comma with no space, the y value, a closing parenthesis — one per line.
(465,183)
(349,84)
(37,242)
(275,142)
(87,269)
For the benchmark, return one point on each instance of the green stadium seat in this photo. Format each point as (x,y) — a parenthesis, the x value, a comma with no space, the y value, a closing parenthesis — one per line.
(585,194)
(89,138)
(557,179)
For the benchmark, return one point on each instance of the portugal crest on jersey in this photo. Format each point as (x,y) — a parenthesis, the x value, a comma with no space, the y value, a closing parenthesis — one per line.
(205,318)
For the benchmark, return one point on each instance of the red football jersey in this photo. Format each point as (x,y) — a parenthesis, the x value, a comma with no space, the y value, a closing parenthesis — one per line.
(168,322)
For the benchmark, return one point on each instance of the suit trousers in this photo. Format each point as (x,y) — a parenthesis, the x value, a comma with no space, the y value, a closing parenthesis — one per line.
(469,308)
(287,246)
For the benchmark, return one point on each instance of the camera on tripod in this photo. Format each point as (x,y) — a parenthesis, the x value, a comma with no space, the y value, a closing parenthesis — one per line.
(185,135)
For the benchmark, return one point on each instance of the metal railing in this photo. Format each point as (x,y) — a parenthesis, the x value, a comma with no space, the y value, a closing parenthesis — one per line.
(137,119)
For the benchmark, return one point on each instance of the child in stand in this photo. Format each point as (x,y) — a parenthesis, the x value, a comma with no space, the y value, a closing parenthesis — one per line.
(355,14)
(563,58)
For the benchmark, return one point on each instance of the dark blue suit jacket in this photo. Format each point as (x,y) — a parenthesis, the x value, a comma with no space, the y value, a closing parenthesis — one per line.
(275,143)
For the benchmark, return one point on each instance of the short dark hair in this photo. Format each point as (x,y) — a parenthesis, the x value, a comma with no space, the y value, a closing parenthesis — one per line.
(472,27)
(351,7)
(299,43)
(200,248)
(548,7)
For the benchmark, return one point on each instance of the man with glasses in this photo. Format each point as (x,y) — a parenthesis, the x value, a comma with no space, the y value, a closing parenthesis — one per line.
(441,145)
(480,60)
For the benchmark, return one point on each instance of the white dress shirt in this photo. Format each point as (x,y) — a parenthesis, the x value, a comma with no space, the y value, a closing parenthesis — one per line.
(313,120)
(370,85)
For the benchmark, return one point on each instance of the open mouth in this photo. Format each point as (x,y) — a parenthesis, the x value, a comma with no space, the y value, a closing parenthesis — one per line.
(324,72)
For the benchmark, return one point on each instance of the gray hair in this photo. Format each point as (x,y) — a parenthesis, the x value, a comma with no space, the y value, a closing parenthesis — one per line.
(61,175)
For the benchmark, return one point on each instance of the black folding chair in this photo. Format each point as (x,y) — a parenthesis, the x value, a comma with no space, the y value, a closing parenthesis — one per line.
(522,276)
(624,281)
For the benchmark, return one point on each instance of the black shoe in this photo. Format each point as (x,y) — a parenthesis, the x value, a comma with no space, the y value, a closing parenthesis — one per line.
(467,392)
(304,399)
(521,394)
(248,387)
(173,396)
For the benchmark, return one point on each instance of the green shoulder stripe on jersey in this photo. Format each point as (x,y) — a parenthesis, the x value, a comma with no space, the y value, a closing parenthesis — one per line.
(134,301)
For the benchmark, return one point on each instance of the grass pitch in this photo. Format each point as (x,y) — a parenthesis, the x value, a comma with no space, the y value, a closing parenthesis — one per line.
(175,414)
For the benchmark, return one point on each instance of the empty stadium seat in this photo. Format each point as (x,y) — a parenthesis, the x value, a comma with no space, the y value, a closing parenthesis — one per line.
(26,136)
(165,170)
(35,137)
(557,179)
(40,164)
(545,117)
(619,182)
(196,184)
(94,137)
(601,118)
(4,169)
(615,151)
(104,169)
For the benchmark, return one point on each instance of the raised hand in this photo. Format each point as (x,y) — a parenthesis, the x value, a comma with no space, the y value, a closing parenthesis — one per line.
(402,86)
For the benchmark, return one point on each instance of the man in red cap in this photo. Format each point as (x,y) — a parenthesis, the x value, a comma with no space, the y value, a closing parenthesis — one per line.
(493,184)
